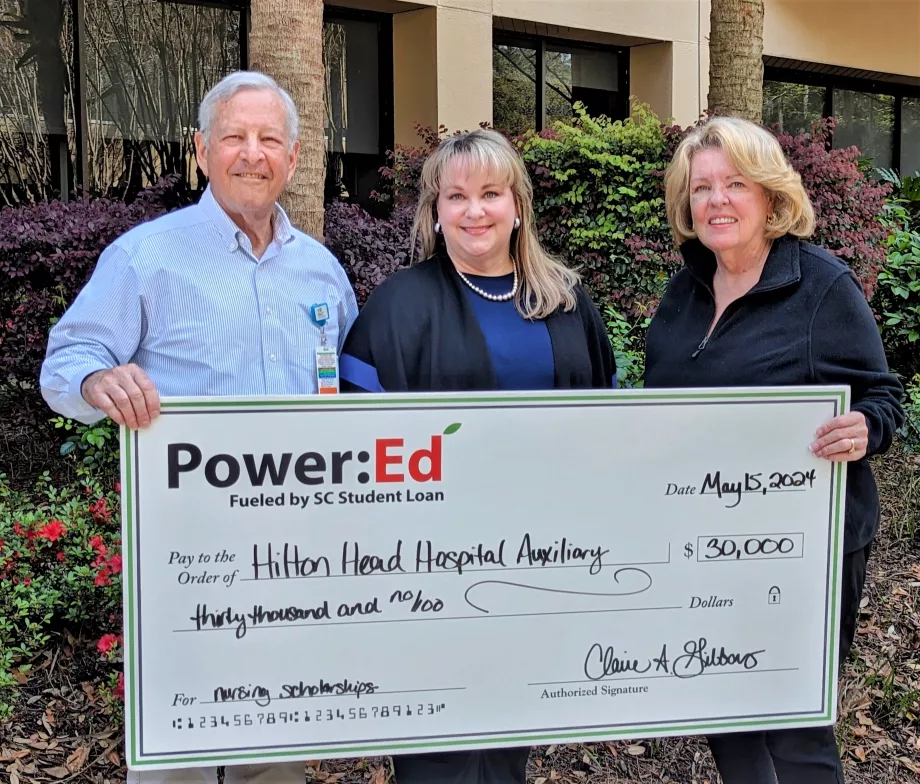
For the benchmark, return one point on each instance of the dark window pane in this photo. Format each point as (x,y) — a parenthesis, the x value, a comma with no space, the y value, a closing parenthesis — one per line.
(795,107)
(36,122)
(910,136)
(351,57)
(352,87)
(148,65)
(585,75)
(514,88)
(865,120)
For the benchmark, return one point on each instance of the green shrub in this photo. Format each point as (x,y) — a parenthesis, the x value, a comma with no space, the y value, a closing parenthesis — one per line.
(599,203)
(910,433)
(93,447)
(627,339)
(897,298)
(60,568)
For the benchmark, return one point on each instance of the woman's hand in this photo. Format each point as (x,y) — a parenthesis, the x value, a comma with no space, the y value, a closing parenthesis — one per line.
(843,439)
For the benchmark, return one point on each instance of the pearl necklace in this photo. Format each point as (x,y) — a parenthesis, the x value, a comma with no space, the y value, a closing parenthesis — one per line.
(486,294)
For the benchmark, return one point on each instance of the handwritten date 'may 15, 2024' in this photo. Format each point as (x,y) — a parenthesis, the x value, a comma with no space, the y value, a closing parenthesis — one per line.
(753,483)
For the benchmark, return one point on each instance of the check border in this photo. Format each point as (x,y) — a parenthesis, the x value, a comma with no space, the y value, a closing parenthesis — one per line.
(138,758)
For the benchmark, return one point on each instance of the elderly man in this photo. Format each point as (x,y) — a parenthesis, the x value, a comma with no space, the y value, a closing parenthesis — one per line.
(222,298)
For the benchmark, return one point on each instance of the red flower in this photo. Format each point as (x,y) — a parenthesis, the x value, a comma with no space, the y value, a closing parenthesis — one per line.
(107,642)
(100,511)
(118,487)
(120,688)
(115,564)
(52,531)
(61,556)
(2,543)
(20,531)
(102,577)
(27,581)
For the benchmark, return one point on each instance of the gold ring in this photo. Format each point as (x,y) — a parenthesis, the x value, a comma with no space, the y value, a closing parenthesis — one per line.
(852,446)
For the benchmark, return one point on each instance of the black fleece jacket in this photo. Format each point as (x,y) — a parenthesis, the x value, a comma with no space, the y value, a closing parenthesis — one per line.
(805,322)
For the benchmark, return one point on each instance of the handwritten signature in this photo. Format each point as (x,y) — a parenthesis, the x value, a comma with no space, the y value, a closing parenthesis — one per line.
(698,657)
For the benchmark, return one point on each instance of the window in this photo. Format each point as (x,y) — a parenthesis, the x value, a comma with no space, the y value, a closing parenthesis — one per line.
(910,136)
(586,75)
(881,118)
(795,107)
(357,57)
(537,81)
(866,121)
(36,153)
(148,64)
(108,104)
(514,87)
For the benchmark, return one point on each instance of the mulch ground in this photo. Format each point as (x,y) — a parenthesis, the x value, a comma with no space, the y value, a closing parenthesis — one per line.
(61,730)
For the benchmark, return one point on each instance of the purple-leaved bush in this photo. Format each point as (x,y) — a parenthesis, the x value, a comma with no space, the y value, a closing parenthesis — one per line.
(47,252)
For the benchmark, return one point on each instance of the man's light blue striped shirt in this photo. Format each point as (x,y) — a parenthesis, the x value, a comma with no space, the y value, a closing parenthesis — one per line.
(183,297)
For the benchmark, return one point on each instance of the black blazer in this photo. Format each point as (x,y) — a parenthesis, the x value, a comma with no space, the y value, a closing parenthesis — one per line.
(419,332)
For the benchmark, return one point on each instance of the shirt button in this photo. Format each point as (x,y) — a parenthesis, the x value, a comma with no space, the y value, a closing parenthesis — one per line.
(273,358)
(268,311)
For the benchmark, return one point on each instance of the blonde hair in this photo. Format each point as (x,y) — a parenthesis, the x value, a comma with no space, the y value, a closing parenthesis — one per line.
(546,284)
(756,154)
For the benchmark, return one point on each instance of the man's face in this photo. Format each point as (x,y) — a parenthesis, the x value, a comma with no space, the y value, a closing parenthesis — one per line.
(248,157)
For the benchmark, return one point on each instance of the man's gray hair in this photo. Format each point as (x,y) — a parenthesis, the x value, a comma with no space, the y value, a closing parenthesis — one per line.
(235,82)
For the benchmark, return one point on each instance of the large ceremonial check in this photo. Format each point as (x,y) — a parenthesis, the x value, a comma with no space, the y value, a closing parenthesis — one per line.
(382,574)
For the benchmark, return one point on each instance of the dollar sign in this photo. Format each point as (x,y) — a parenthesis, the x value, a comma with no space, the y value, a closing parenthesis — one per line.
(688,550)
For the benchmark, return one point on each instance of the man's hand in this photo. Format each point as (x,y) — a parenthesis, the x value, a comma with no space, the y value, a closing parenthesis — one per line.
(125,393)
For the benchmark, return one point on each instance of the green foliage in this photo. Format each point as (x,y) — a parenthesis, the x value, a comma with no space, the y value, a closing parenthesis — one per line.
(906,190)
(599,203)
(897,299)
(910,433)
(60,567)
(94,447)
(628,344)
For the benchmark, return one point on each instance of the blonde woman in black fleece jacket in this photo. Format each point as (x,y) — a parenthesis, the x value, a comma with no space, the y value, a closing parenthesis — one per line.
(757,305)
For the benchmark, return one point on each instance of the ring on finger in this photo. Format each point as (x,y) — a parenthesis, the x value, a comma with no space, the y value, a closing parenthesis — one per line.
(852,446)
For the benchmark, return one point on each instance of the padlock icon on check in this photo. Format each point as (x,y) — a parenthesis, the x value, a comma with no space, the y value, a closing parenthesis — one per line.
(774,595)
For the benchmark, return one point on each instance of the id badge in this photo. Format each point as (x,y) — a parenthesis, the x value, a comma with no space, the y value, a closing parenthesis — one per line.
(327,370)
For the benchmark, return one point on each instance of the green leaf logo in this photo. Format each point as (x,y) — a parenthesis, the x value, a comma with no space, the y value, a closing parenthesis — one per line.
(451,429)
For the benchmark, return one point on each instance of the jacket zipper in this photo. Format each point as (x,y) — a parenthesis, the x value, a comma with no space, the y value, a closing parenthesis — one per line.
(706,340)
(702,345)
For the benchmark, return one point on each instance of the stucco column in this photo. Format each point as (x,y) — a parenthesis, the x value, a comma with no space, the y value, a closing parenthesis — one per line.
(464,64)
(415,73)
(651,69)
(442,68)
(672,77)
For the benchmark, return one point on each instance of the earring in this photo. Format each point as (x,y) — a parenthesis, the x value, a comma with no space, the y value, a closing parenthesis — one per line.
(771,219)
(517,223)
(437,228)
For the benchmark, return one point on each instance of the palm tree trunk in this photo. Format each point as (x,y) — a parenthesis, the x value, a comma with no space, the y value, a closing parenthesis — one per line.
(736,58)
(286,42)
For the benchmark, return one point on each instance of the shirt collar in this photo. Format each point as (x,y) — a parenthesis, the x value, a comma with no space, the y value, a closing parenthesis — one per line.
(782,267)
(281,225)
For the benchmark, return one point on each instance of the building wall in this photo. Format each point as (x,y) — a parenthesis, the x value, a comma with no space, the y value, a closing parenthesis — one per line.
(872,35)
(443,56)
